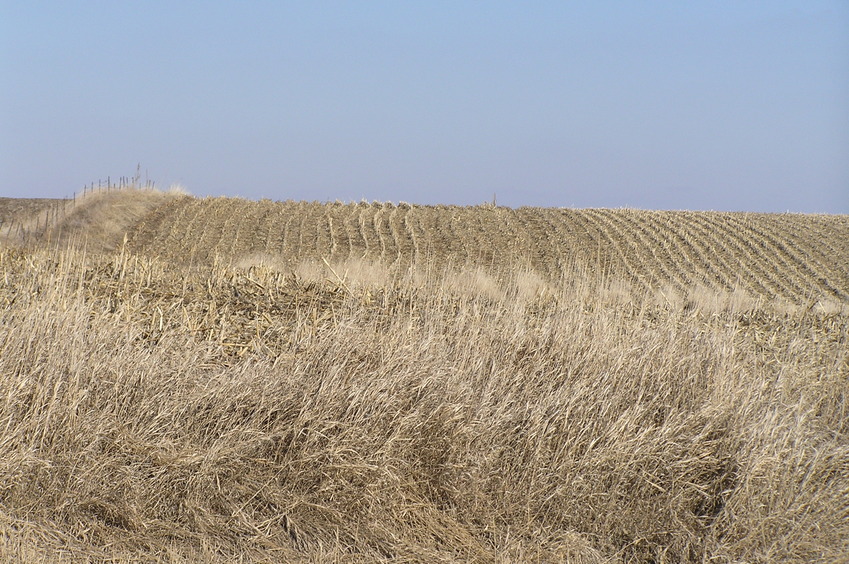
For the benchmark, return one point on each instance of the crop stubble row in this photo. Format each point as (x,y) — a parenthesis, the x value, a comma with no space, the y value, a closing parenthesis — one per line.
(793,257)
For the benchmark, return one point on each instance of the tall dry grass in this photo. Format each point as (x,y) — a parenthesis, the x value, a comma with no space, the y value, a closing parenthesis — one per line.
(250,414)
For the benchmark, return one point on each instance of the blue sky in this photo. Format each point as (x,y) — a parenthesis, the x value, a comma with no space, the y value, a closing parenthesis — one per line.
(721,105)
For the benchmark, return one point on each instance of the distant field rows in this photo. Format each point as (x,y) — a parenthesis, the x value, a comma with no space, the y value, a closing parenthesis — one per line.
(789,256)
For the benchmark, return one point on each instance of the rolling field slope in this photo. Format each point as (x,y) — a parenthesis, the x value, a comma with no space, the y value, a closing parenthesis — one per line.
(790,256)
(218,380)
(793,257)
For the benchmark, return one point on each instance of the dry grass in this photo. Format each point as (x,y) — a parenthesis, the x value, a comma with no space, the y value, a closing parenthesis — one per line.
(220,414)
(11,209)
(97,221)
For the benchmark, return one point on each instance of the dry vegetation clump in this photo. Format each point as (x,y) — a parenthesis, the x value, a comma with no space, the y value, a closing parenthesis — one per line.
(218,413)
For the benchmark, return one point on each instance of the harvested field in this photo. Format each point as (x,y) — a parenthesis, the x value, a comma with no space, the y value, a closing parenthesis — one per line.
(300,382)
(789,256)
(11,208)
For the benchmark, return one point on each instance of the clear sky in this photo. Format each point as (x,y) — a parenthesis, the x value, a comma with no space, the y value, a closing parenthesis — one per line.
(726,105)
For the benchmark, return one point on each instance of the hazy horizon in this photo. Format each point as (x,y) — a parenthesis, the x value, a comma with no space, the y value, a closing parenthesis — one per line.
(708,106)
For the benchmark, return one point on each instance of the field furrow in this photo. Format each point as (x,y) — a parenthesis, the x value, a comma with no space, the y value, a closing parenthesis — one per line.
(430,239)
(350,219)
(244,225)
(627,266)
(534,244)
(548,245)
(831,237)
(815,263)
(266,212)
(340,247)
(603,258)
(175,238)
(559,244)
(495,231)
(648,251)
(157,225)
(824,235)
(658,260)
(179,244)
(413,230)
(388,250)
(813,268)
(690,255)
(181,239)
(747,262)
(290,238)
(709,261)
(671,230)
(276,229)
(727,262)
(256,239)
(229,211)
(210,232)
(371,238)
(322,242)
(401,236)
(572,241)
(300,227)
(467,227)
(449,243)
(499,232)
(773,258)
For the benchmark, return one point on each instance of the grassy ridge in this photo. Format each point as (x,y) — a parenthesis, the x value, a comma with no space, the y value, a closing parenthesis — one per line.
(358,412)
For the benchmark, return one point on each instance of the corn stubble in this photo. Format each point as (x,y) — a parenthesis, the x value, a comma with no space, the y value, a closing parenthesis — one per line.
(255,412)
